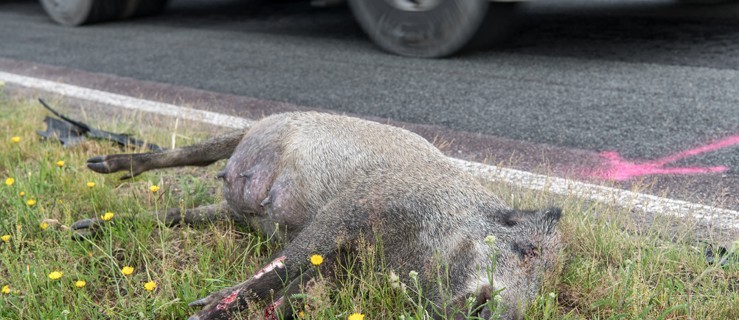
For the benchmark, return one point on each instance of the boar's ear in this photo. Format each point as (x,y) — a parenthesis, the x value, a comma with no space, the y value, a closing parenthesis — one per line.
(550,219)
(513,217)
(553,214)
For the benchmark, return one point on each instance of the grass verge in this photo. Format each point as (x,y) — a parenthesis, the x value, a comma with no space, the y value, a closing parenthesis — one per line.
(613,266)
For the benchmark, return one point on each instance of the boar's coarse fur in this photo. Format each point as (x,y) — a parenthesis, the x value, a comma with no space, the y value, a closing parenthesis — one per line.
(325,182)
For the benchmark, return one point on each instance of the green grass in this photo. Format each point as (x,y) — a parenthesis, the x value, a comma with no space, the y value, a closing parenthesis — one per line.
(613,267)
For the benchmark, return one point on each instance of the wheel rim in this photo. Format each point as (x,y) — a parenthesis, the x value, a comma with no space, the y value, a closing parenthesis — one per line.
(431,28)
(68,12)
(64,7)
(414,5)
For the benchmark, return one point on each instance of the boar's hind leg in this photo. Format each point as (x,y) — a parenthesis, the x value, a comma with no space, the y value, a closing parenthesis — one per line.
(201,154)
(319,237)
(199,215)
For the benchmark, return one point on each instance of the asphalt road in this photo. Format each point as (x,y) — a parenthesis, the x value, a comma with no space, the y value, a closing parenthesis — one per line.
(643,79)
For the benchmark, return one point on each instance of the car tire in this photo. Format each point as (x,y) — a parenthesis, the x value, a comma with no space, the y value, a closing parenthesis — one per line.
(79,12)
(434,28)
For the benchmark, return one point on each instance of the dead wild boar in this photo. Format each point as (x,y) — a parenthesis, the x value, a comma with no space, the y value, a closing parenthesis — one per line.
(324,182)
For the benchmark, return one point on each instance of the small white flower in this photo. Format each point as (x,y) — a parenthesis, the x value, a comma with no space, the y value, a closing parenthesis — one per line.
(394,280)
(490,240)
(413,274)
(393,277)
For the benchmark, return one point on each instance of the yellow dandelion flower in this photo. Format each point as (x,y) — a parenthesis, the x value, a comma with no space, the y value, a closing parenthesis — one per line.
(149,286)
(127,270)
(356,316)
(107,216)
(60,163)
(9,181)
(43,225)
(316,259)
(6,289)
(22,194)
(5,238)
(80,284)
(154,189)
(15,139)
(31,202)
(55,275)
(301,314)
(90,184)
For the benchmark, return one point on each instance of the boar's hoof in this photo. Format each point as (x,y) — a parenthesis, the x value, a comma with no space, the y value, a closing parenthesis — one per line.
(199,303)
(98,164)
(114,163)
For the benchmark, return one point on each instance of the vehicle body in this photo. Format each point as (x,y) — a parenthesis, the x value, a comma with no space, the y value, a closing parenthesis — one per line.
(417,28)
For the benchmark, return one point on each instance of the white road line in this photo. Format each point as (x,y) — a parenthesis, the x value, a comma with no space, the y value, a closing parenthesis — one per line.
(118,100)
(716,217)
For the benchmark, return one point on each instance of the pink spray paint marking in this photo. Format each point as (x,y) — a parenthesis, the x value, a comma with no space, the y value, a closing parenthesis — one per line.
(620,169)
(228,300)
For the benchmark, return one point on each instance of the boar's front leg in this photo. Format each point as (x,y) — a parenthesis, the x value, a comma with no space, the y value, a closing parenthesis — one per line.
(267,282)
(320,237)
(201,154)
(194,216)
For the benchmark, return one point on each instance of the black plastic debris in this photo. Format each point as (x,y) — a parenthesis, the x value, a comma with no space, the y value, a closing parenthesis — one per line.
(720,255)
(71,132)
(69,135)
